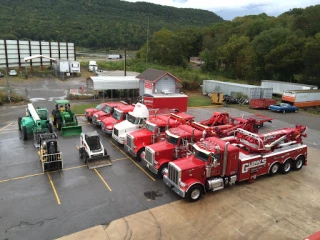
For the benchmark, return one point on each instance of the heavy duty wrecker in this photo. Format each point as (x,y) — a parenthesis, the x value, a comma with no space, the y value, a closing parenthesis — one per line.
(157,156)
(36,122)
(50,156)
(215,163)
(64,119)
(92,151)
(154,131)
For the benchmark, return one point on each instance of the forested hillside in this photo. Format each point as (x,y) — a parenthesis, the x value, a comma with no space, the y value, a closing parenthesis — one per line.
(94,23)
(256,47)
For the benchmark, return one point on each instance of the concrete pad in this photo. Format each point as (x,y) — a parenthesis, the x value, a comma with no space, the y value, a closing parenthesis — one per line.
(96,233)
(279,207)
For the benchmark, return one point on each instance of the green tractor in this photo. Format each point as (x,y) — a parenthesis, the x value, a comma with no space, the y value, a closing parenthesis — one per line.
(64,119)
(36,122)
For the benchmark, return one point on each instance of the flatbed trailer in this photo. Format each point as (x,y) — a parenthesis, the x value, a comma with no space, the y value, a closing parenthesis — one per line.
(260,119)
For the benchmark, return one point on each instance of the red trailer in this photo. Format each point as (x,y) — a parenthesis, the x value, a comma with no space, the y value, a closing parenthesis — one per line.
(174,101)
(262,103)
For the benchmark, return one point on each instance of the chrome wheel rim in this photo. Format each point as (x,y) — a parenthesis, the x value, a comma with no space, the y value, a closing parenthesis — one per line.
(299,163)
(195,194)
(275,168)
(287,167)
(163,171)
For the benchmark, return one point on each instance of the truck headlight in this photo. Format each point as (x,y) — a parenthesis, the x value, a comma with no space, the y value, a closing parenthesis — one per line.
(155,162)
(182,184)
(109,127)
(165,171)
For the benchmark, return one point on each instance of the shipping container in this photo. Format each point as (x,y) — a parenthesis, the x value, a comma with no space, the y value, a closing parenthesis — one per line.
(262,103)
(266,92)
(228,88)
(166,101)
(302,98)
(280,87)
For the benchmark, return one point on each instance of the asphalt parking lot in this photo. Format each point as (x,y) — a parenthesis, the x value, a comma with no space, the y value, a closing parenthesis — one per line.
(36,205)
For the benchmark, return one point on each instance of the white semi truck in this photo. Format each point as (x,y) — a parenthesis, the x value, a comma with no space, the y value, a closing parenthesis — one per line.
(93,66)
(133,122)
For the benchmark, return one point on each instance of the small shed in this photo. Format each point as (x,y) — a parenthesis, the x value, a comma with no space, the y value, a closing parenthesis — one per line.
(153,81)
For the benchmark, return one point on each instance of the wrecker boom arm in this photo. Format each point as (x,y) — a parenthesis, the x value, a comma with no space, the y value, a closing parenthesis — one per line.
(274,139)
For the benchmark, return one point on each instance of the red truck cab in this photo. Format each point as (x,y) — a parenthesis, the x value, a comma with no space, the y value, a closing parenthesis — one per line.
(106,112)
(119,114)
(215,163)
(157,156)
(154,131)
(88,113)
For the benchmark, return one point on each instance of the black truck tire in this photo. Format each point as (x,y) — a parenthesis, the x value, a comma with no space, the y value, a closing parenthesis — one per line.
(24,133)
(81,150)
(161,170)
(139,154)
(286,167)
(194,193)
(19,123)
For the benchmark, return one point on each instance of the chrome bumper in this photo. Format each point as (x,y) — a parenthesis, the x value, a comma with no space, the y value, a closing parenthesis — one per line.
(130,151)
(96,123)
(149,166)
(117,139)
(107,131)
(173,186)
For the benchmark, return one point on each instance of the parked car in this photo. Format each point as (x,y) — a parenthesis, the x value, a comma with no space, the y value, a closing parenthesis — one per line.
(283,107)
(1,74)
(13,73)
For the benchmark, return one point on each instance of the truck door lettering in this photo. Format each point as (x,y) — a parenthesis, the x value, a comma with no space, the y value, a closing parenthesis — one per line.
(247,166)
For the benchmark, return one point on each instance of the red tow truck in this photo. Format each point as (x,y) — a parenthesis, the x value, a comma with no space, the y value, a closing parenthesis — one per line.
(106,112)
(88,113)
(215,163)
(157,156)
(154,131)
(119,114)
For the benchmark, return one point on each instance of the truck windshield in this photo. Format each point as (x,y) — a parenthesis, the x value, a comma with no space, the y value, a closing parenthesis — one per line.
(201,155)
(117,114)
(99,107)
(172,139)
(133,119)
(150,127)
(107,109)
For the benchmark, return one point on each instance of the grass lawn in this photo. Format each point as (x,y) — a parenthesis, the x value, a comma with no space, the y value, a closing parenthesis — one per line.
(80,108)
(198,100)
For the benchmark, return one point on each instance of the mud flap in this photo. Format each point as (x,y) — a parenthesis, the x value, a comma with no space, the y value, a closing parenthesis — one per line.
(98,162)
(71,131)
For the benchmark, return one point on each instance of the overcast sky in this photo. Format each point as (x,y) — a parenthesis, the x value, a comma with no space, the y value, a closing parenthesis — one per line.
(229,9)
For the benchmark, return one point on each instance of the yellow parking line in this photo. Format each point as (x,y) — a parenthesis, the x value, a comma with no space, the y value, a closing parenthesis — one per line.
(54,189)
(118,159)
(17,178)
(133,161)
(77,147)
(102,180)
(6,126)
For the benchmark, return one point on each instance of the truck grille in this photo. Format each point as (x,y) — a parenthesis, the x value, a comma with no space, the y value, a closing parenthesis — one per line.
(130,141)
(94,118)
(116,131)
(103,126)
(174,174)
(149,155)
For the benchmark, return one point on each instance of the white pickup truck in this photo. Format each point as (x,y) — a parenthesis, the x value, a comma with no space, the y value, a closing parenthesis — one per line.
(135,121)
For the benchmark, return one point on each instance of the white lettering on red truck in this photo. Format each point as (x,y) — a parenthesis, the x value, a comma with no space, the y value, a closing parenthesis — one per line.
(247,166)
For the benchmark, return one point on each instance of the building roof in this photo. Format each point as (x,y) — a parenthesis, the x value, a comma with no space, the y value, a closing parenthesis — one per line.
(113,82)
(154,75)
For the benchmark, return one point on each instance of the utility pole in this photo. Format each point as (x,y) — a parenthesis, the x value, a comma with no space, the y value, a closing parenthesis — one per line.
(125,61)
(147,44)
